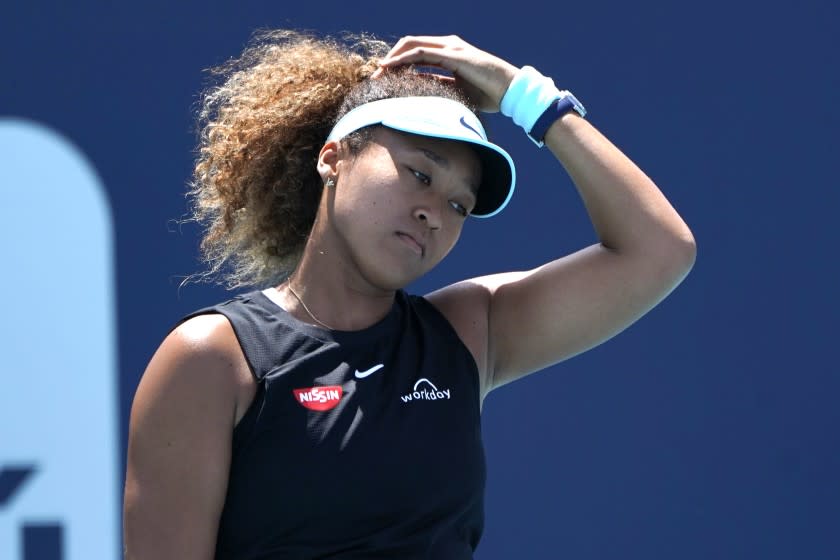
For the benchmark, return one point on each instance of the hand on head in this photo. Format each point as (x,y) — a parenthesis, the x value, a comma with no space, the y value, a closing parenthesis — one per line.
(483,76)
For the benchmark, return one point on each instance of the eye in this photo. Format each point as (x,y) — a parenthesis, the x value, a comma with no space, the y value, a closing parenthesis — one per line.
(422,177)
(460,208)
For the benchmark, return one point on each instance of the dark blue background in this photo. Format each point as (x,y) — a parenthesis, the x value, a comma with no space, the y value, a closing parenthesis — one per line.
(707,430)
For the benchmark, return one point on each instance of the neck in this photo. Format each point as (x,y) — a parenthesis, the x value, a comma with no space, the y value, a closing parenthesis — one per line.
(328,290)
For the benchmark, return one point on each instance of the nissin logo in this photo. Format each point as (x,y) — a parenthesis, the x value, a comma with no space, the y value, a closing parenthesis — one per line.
(319,398)
(59,434)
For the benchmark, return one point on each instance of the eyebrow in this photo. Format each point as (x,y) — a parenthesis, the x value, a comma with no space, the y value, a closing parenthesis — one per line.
(443,162)
(437,158)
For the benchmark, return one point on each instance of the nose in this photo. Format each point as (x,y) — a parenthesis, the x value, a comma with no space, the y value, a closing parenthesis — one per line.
(429,217)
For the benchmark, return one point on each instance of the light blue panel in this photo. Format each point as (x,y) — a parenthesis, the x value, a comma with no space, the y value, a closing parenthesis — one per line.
(58,382)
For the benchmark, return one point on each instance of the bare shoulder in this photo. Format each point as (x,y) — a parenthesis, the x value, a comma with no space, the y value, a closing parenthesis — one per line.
(465,305)
(202,336)
(189,399)
(202,357)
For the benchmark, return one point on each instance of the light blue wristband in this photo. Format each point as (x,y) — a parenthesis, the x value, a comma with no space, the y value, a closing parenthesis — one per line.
(527,98)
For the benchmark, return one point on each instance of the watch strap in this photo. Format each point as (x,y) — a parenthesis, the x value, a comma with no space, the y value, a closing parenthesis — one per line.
(559,107)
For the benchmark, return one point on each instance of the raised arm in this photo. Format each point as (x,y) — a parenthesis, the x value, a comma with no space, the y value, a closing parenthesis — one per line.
(182,419)
(517,323)
(578,301)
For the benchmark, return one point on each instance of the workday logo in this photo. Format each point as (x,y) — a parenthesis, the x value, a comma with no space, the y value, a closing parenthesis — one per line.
(59,479)
(425,390)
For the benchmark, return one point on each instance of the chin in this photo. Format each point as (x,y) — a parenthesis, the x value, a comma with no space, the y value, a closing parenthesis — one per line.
(392,276)
(393,280)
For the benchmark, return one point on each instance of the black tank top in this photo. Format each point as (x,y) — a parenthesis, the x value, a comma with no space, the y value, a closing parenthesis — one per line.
(363,444)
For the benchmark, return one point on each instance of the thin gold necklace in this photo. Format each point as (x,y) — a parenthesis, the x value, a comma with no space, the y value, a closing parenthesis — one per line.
(297,297)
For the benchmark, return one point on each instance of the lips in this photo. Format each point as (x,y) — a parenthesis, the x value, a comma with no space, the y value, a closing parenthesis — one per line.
(413,242)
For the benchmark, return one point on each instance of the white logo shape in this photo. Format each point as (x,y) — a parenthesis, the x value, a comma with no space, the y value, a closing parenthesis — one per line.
(374,369)
(424,394)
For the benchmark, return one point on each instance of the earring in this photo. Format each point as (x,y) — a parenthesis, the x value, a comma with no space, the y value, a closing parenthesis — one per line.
(331,182)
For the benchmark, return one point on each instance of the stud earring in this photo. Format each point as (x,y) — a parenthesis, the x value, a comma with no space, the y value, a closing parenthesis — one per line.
(331,182)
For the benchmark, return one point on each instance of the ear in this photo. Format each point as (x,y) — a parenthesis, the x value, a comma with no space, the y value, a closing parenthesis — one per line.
(328,160)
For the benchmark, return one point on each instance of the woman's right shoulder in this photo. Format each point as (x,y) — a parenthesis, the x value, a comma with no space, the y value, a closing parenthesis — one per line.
(201,357)
(201,334)
(179,440)
(204,340)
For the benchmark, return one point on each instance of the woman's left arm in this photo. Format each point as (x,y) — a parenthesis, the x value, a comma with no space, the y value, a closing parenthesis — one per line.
(537,318)
(569,305)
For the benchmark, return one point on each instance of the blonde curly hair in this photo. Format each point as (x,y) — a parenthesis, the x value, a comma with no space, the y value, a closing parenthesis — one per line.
(255,185)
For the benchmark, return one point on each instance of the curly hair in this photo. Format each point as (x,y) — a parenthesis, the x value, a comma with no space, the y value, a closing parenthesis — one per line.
(255,187)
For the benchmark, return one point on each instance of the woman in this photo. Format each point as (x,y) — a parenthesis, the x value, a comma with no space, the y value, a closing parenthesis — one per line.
(333,415)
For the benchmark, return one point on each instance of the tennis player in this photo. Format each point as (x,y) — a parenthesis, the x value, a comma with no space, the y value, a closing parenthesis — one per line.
(324,412)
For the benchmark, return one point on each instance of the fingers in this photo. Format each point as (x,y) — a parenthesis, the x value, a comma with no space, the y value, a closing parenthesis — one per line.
(422,55)
(480,72)
(411,42)
(435,51)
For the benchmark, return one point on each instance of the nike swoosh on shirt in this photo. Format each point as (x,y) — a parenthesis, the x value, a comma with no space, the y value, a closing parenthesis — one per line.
(374,369)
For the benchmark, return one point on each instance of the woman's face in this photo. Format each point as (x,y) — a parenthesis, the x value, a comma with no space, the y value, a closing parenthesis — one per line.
(398,206)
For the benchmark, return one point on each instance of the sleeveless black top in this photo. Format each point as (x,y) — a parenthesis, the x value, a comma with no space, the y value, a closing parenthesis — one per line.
(363,444)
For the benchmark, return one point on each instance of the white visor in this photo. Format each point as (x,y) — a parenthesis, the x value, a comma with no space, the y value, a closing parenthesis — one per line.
(439,117)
